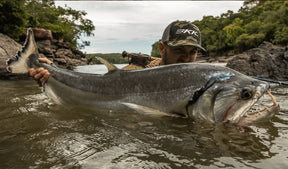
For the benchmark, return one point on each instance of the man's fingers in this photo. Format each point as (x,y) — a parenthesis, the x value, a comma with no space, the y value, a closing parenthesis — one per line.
(36,73)
(45,60)
(41,69)
(31,72)
(38,76)
(45,77)
(40,73)
(42,60)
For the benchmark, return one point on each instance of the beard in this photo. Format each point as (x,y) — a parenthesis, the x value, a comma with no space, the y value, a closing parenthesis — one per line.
(165,58)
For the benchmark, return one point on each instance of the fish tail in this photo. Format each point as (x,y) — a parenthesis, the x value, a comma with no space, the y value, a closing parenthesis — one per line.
(24,58)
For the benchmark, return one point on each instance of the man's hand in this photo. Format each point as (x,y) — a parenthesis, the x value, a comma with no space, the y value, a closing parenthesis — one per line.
(40,74)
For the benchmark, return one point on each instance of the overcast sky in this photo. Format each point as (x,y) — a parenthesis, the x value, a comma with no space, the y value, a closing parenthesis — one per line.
(135,25)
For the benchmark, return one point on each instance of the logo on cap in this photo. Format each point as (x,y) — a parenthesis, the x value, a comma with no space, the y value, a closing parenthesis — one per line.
(187,31)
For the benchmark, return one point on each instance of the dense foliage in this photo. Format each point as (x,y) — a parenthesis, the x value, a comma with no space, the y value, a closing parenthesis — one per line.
(12,18)
(65,23)
(111,57)
(256,21)
(155,50)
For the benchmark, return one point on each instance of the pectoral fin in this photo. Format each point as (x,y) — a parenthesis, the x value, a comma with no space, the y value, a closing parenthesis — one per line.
(145,110)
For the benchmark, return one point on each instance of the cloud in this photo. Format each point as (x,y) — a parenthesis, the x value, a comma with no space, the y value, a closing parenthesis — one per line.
(136,23)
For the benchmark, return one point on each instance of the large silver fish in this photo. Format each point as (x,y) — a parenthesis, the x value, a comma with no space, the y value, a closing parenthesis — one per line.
(200,91)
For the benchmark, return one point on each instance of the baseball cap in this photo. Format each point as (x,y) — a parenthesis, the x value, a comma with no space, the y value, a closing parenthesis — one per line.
(179,33)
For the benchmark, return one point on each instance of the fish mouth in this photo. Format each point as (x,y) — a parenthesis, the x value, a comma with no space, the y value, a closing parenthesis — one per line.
(254,115)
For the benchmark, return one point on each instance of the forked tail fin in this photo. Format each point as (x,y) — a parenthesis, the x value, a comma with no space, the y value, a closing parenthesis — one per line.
(20,62)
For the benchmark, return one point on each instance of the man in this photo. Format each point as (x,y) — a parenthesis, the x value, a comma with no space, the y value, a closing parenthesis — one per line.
(180,43)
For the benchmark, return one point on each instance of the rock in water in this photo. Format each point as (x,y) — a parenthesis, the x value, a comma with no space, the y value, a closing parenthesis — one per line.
(266,61)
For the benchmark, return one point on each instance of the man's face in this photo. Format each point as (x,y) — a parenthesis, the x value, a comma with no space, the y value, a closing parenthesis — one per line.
(179,54)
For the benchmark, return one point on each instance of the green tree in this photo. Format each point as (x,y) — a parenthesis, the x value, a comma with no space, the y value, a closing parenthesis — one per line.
(65,23)
(281,36)
(253,27)
(12,18)
(233,30)
(110,57)
(246,41)
(155,50)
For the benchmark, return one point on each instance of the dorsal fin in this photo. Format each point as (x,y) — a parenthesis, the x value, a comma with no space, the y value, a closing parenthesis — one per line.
(109,65)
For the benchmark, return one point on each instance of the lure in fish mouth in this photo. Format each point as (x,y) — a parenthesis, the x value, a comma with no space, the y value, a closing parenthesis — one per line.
(200,91)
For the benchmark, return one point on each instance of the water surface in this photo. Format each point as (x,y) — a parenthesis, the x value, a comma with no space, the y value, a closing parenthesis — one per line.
(35,133)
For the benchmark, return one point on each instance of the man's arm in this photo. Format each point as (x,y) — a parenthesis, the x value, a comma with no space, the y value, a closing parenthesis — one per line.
(40,74)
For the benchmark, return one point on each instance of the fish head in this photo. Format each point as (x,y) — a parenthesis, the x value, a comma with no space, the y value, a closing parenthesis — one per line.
(229,97)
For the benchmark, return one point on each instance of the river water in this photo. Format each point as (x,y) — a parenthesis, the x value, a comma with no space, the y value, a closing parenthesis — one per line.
(35,133)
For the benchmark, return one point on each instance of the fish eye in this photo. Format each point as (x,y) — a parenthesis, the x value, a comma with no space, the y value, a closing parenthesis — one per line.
(246,93)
